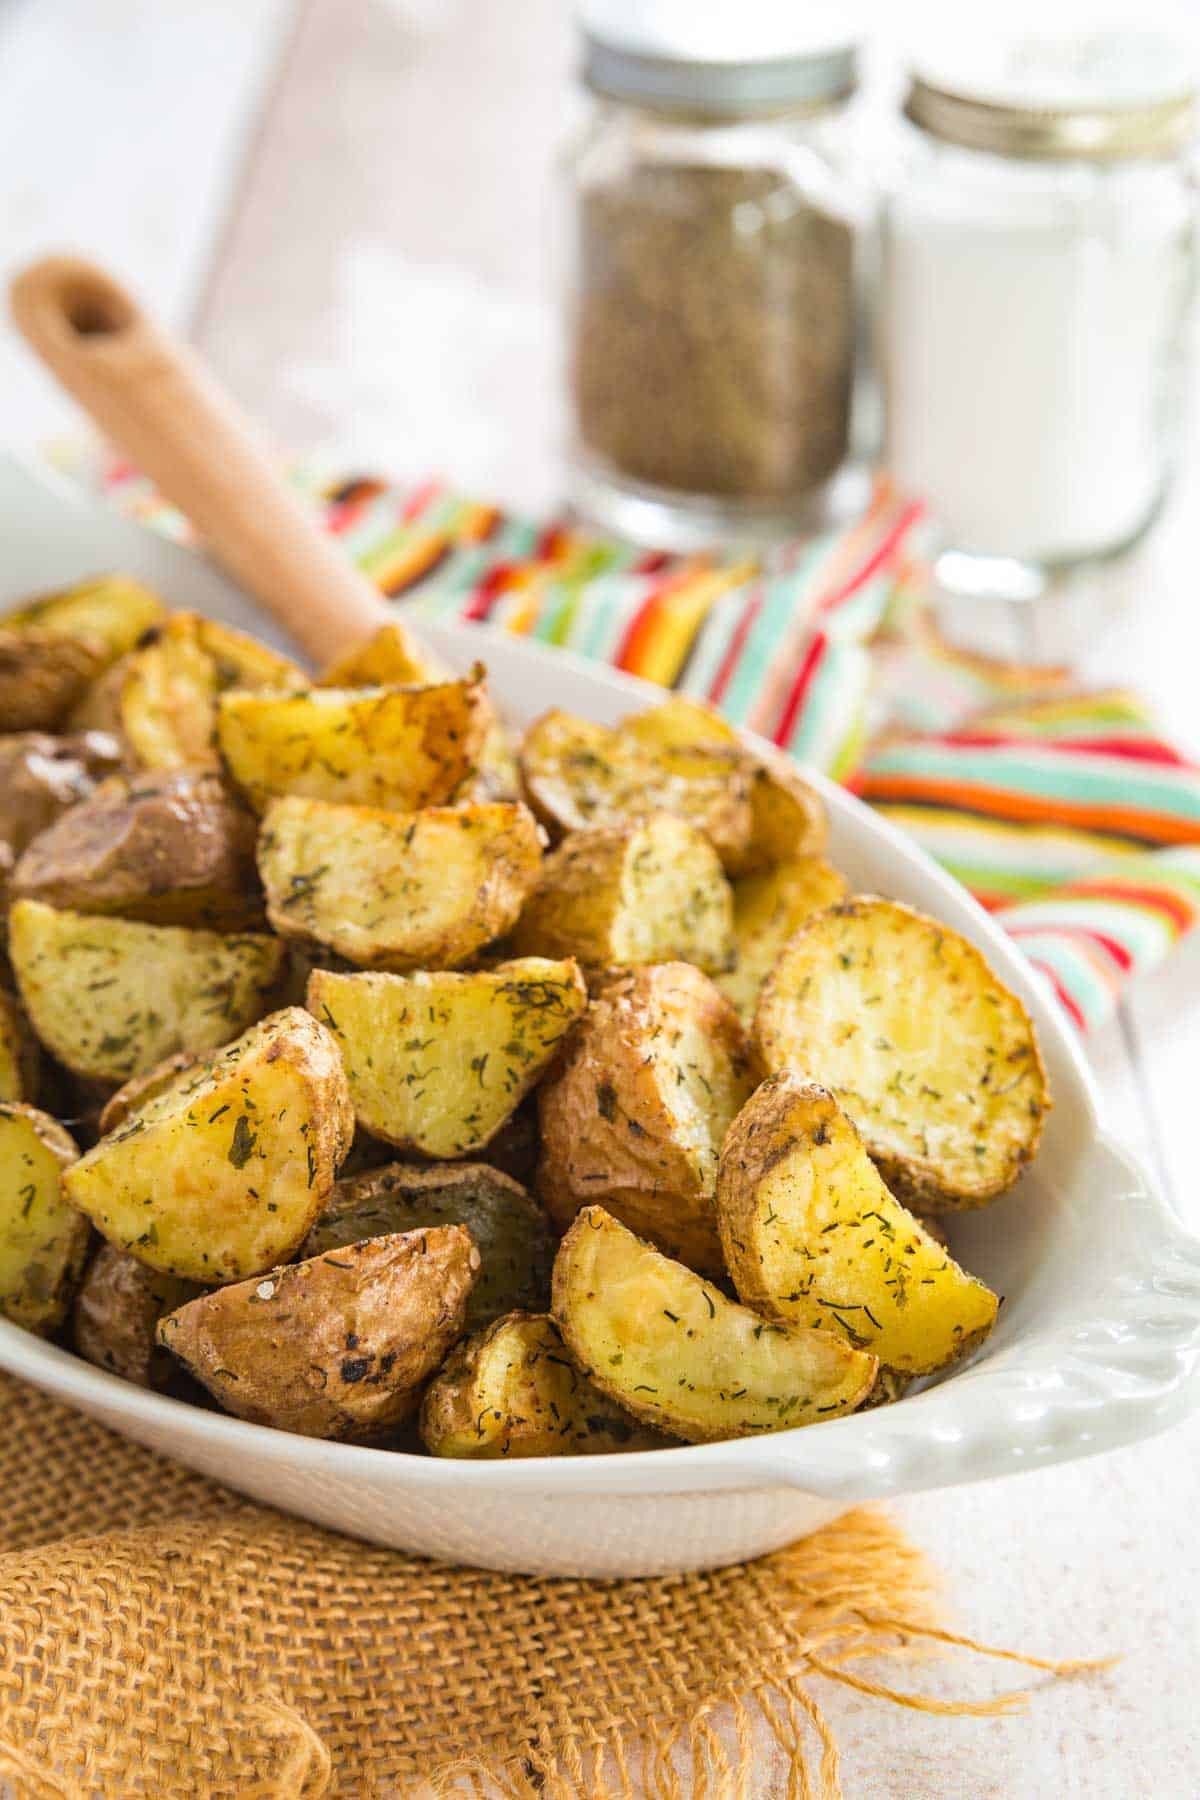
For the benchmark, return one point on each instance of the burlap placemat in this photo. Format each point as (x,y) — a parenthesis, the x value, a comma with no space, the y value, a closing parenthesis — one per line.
(160,1635)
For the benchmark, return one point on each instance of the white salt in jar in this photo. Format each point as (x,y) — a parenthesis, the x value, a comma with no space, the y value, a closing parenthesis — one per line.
(1037,277)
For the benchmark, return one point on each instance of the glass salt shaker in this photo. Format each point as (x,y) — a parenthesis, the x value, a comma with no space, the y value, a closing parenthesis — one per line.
(1038,251)
(713,316)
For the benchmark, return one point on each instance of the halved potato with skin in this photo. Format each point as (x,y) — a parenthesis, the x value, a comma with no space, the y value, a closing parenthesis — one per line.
(438,1061)
(933,1058)
(813,1237)
(395,890)
(399,747)
(337,1346)
(672,1350)
(513,1391)
(43,1240)
(634,1116)
(626,895)
(768,909)
(112,610)
(135,1093)
(509,1228)
(112,997)
(43,678)
(222,1173)
(116,1314)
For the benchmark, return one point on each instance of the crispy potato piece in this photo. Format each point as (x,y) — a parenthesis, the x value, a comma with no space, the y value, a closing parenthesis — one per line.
(111,997)
(671,1349)
(634,1116)
(438,1062)
(42,678)
(116,1314)
(19,1057)
(164,693)
(890,1386)
(135,1093)
(391,657)
(787,817)
(625,895)
(510,1230)
(399,747)
(812,1236)
(43,1240)
(496,776)
(112,610)
(41,776)
(394,890)
(513,1391)
(337,1346)
(222,1173)
(577,774)
(935,1061)
(767,910)
(171,848)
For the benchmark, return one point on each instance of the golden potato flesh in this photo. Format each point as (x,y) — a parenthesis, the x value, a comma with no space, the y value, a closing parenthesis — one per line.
(438,1062)
(113,997)
(509,1228)
(398,747)
(672,1350)
(935,1061)
(221,1174)
(133,1094)
(626,895)
(112,610)
(394,890)
(337,1346)
(813,1237)
(512,1391)
(768,909)
(392,657)
(43,1240)
(116,1316)
(18,1052)
(634,1115)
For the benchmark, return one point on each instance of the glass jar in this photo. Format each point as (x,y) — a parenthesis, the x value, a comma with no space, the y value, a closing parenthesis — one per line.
(713,317)
(1038,255)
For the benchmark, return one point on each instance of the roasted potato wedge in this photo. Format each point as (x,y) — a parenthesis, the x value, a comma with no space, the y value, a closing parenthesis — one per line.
(43,678)
(768,909)
(116,1316)
(649,891)
(510,1230)
(674,1351)
(111,997)
(391,657)
(935,1061)
(19,1058)
(577,775)
(337,1346)
(812,1237)
(222,1173)
(394,890)
(513,1391)
(168,847)
(399,747)
(437,1062)
(133,1094)
(634,1115)
(111,610)
(43,1240)
(41,776)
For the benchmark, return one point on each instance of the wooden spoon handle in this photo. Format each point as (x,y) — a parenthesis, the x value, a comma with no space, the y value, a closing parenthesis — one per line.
(155,401)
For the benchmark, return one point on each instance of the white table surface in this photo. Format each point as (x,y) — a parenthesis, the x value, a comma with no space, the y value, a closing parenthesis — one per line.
(348,202)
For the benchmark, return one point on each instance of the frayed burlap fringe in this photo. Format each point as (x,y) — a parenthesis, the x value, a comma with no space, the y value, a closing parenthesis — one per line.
(160,1635)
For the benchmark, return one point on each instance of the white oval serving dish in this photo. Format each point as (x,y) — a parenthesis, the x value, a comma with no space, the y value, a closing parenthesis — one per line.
(1097,1345)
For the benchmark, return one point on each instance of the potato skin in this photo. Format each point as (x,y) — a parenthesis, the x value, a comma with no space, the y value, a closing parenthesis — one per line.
(509,1228)
(41,776)
(42,678)
(512,1391)
(337,1346)
(43,1240)
(170,848)
(116,1314)
(394,890)
(937,1062)
(611,1135)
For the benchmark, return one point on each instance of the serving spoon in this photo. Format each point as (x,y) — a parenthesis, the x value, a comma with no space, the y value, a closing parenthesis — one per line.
(156,402)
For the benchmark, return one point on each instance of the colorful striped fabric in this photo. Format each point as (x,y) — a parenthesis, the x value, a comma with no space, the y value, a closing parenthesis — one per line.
(1063,812)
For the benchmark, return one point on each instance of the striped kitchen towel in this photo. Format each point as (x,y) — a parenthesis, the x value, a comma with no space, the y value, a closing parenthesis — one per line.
(1063,811)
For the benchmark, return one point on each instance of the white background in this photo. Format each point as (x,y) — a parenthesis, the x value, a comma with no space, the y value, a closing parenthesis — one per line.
(348,203)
